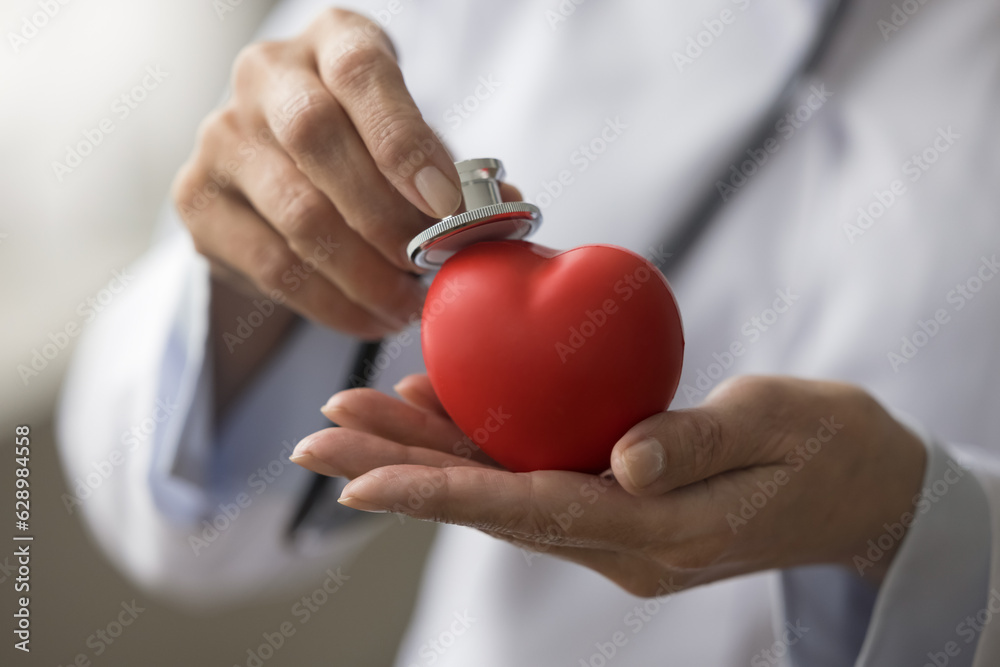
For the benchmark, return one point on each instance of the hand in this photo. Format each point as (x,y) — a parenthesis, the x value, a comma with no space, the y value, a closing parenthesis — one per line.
(820,465)
(308,183)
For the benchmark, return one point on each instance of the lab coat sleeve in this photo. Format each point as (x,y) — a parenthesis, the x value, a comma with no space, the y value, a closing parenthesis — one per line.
(941,587)
(192,511)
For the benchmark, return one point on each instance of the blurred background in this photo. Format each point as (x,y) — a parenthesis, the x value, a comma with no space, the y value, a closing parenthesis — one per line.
(63,234)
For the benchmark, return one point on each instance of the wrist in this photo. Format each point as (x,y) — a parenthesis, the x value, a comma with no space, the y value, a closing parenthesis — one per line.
(893,499)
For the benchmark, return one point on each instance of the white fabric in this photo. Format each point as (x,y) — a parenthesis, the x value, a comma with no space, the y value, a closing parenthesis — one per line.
(933,80)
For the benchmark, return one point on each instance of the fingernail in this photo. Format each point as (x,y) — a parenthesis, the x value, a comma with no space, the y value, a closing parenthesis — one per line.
(439,192)
(335,404)
(363,505)
(310,462)
(300,448)
(644,462)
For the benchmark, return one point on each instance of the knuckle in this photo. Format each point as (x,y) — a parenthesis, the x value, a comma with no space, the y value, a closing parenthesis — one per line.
(704,442)
(303,215)
(334,16)
(338,17)
(215,128)
(271,264)
(772,395)
(357,65)
(739,385)
(252,59)
(858,403)
(356,36)
(393,143)
(303,121)
(532,523)
(190,196)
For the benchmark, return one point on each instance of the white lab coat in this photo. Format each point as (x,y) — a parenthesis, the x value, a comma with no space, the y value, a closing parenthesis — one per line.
(534,89)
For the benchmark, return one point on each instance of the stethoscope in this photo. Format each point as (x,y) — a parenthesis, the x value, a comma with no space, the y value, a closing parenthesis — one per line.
(487,217)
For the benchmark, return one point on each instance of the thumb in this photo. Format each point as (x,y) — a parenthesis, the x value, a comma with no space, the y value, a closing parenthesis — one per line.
(673,449)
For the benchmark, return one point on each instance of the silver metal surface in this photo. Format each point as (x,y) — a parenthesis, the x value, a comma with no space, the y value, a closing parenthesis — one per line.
(486,217)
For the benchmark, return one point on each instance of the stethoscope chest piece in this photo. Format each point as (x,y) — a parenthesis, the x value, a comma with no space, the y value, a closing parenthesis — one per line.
(486,217)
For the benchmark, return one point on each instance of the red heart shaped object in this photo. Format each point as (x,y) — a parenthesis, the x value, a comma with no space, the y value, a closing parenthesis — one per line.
(545,358)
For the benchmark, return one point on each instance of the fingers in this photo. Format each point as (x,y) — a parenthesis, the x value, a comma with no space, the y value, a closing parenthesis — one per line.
(373,412)
(231,233)
(313,128)
(315,230)
(673,449)
(322,148)
(343,452)
(553,505)
(416,390)
(367,82)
